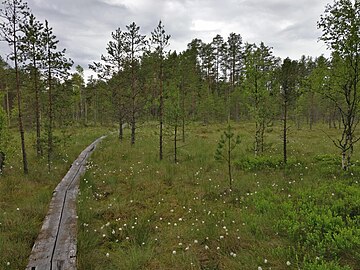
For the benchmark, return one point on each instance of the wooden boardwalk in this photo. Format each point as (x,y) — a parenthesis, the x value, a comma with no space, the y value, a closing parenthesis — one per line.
(55,247)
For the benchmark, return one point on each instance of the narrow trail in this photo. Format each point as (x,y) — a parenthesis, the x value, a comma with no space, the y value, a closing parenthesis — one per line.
(56,246)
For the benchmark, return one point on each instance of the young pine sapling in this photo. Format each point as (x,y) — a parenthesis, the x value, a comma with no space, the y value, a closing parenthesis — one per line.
(224,152)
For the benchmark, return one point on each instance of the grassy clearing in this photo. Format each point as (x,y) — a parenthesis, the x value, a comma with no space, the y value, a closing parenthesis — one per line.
(136,212)
(25,199)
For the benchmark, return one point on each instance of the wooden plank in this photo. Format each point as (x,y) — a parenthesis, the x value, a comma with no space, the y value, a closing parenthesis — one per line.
(65,249)
(55,247)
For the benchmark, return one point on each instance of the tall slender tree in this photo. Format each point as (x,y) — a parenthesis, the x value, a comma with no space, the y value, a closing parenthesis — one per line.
(134,46)
(287,93)
(218,47)
(56,67)
(259,72)
(32,51)
(78,85)
(234,65)
(160,40)
(235,57)
(110,68)
(14,15)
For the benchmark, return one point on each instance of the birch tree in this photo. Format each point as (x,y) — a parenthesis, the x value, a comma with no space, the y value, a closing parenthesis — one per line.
(259,73)
(340,25)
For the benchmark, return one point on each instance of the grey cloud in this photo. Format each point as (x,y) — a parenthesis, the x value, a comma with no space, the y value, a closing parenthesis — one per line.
(84,26)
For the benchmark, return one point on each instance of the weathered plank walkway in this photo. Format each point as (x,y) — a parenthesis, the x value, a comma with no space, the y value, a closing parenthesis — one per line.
(55,247)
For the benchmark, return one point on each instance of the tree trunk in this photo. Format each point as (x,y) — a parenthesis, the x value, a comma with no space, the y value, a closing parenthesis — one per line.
(50,104)
(256,146)
(37,110)
(312,113)
(161,113)
(18,92)
(183,110)
(183,129)
(262,134)
(229,162)
(175,141)
(343,161)
(121,133)
(285,133)
(85,112)
(50,135)
(133,104)
(8,106)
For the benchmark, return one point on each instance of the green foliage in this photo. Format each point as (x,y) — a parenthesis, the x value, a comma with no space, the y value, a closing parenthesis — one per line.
(251,163)
(224,151)
(326,223)
(227,143)
(327,159)
(340,25)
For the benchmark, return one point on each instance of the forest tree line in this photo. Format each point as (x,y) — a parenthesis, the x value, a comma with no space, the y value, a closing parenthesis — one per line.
(139,79)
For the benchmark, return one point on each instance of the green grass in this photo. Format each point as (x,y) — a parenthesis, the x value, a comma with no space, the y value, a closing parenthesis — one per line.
(25,199)
(136,212)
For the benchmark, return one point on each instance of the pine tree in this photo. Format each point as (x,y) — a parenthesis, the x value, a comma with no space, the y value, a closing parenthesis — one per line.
(14,15)
(56,67)
(110,68)
(233,63)
(32,50)
(160,40)
(134,45)
(218,45)
(225,148)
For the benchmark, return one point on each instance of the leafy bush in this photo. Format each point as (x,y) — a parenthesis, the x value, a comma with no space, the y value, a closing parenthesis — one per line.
(257,163)
(324,224)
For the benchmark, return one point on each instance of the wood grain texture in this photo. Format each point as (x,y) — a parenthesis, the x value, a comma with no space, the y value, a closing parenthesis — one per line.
(55,247)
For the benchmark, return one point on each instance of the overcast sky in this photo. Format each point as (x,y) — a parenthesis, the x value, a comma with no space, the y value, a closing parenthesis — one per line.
(84,26)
